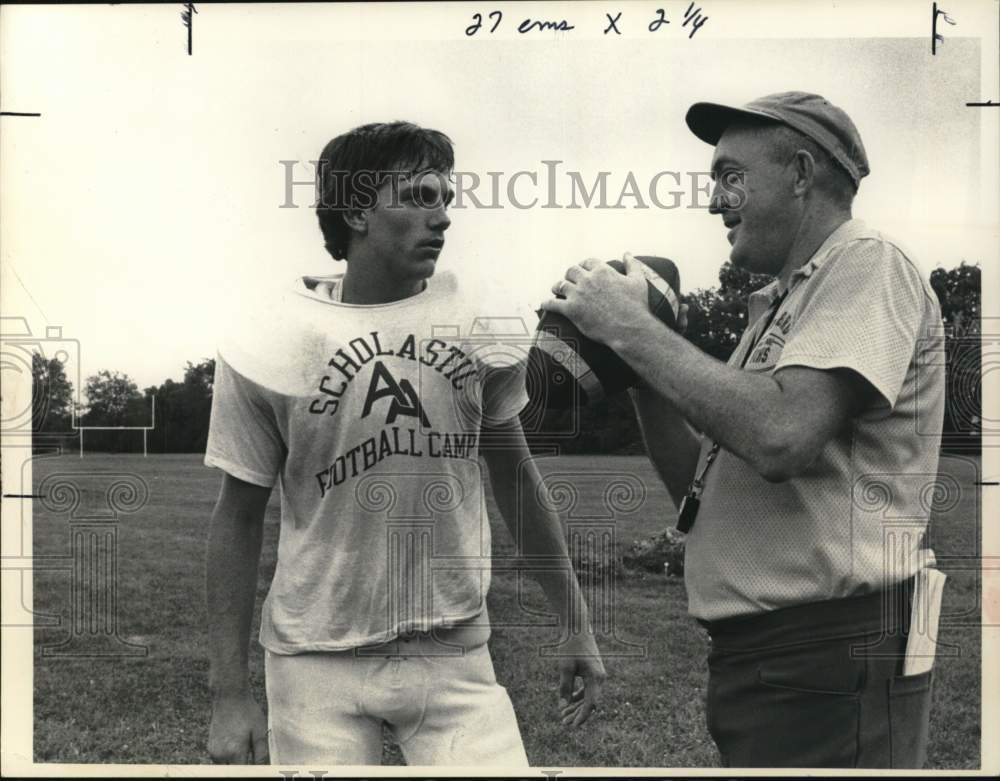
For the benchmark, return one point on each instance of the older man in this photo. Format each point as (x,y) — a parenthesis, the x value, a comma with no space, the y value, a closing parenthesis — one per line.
(791,567)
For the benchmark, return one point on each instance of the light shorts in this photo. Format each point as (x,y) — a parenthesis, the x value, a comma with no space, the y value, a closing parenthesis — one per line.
(329,708)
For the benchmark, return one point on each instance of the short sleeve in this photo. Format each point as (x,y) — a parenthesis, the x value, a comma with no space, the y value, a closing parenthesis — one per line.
(862,311)
(502,356)
(504,391)
(243,436)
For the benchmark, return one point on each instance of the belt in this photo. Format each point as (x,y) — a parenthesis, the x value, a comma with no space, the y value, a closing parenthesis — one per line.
(441,641)
(886,610)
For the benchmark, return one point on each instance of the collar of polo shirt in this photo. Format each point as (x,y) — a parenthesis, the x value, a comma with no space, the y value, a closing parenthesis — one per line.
(843,233)
(761,299)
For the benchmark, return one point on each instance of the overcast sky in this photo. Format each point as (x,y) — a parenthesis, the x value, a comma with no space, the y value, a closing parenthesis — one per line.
(145,199)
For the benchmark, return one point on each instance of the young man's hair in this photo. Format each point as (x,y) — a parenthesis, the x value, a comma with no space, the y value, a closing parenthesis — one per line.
(354,164)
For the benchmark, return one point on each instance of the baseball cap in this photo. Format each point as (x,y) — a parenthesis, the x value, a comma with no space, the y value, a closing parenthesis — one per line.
(810,114)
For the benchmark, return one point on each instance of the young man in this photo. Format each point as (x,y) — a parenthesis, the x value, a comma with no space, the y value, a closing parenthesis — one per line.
(818,440)
(367,397)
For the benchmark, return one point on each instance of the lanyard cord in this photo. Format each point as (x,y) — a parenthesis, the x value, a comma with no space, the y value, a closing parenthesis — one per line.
(699,481)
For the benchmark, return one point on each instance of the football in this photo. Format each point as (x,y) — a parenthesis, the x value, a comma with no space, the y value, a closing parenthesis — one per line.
(567,369)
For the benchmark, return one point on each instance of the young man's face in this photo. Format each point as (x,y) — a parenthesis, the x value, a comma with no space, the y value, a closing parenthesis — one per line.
(762,219)
(406,227)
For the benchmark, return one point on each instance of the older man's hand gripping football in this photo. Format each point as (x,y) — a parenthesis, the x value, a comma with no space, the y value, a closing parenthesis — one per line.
(603,303)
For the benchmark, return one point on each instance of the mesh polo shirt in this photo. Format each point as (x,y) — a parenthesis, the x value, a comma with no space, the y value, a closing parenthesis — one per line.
(854,520)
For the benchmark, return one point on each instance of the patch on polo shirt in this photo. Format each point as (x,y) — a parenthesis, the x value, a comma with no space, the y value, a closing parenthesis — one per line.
(766,354)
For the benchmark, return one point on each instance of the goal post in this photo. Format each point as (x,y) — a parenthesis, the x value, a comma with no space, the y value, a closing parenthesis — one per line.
(144,429)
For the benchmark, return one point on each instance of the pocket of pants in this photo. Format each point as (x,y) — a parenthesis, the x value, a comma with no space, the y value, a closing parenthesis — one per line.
(909,719)
(475,664)
(804,724)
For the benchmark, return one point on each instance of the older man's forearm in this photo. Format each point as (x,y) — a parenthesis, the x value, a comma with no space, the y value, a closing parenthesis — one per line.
(742,410)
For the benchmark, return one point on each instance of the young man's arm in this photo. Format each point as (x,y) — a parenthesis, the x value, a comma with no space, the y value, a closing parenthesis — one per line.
(238,732)
(671,444)
(516,486)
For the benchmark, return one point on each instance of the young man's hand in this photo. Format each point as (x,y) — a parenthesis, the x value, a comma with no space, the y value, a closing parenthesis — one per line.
(238,733)
(581,660)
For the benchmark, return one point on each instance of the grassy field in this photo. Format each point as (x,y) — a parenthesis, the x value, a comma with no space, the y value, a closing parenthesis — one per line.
(154,708)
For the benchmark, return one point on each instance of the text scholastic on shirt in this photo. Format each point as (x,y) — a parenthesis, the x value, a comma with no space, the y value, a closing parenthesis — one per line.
(368,417)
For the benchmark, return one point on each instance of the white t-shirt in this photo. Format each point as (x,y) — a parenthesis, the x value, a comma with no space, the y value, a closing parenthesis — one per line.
(369,417)
(853,522)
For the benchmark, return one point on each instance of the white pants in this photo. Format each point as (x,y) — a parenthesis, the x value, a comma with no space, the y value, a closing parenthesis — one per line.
(329,708)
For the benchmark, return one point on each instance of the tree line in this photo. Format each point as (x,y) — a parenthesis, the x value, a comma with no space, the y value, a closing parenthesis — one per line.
(717,317)
(112,398)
